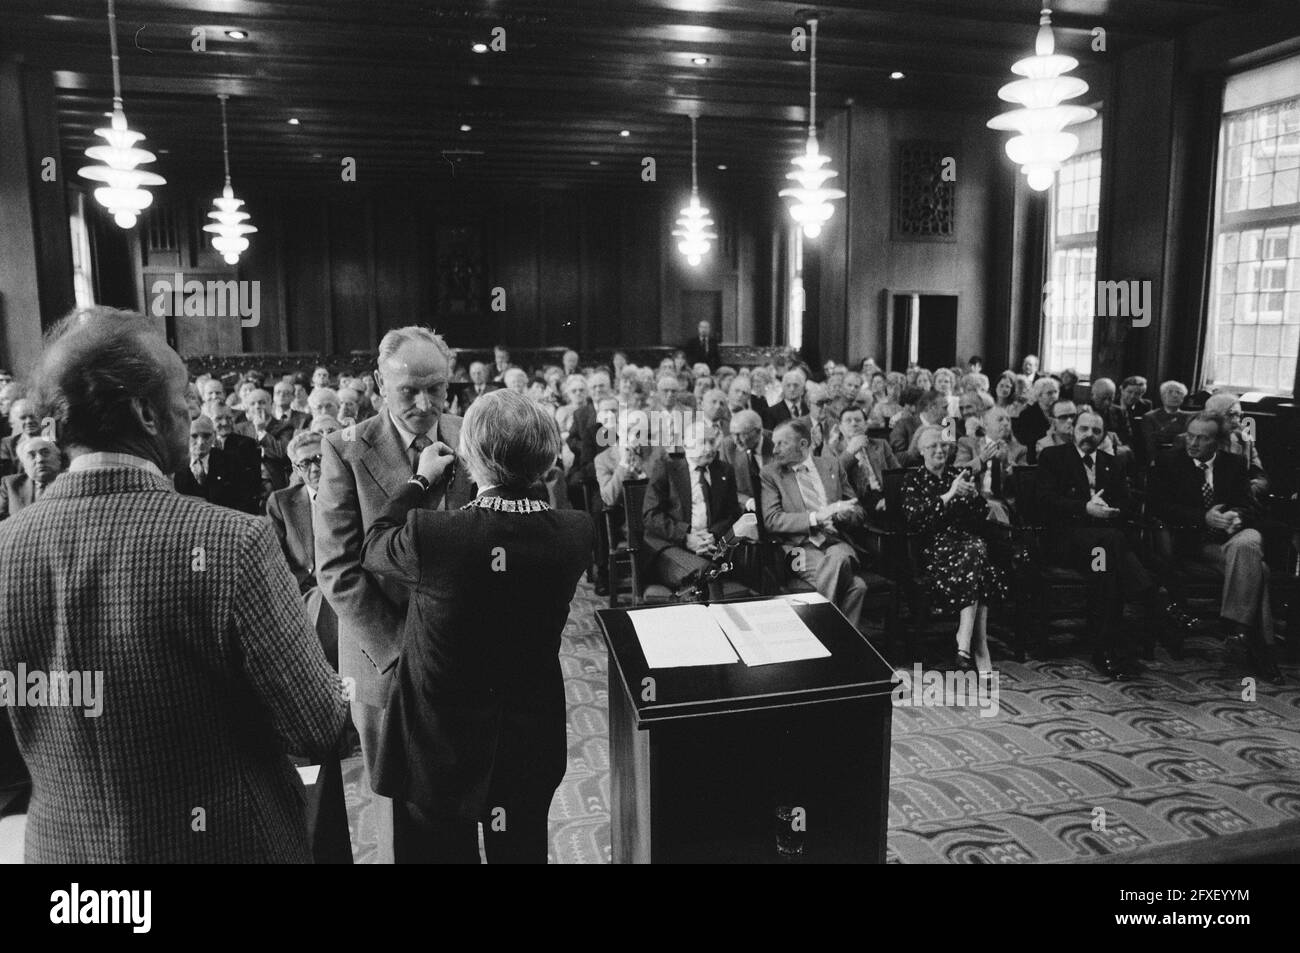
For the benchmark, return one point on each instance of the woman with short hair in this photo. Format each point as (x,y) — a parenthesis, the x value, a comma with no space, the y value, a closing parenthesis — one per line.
(475,730)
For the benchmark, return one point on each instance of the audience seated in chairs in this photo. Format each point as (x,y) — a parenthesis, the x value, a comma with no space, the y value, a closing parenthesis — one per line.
(864,459)
(992,454)
(1085,496)
(1034,422)
(748,448)
(23,421)
(1158,429)
(806,501)
(1205,495)
(944,505)
(214,474)
(41,462)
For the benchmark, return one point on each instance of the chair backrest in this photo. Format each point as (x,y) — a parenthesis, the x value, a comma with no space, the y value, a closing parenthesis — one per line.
(633,503)
(1025,480)
(893,480)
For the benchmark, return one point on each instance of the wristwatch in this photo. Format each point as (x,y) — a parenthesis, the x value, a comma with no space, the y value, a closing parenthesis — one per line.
(420,481)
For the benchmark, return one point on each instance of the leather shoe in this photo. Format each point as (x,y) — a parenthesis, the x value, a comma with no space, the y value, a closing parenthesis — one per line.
(963,662)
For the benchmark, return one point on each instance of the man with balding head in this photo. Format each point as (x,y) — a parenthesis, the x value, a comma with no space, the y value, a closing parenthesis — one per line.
(479,384)
(41,462)
(792,404)
(285,418)
(747,448)
(210,670)
(363,467)
(214,474)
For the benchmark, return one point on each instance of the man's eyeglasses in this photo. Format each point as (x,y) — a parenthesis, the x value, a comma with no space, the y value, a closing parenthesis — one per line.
(308,462)
(1066,416)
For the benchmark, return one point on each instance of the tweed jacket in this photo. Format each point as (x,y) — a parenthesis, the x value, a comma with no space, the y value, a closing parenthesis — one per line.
(363,467)
(211,676)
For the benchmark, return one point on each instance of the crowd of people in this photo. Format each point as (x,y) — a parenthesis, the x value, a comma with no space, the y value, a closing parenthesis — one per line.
(390,495)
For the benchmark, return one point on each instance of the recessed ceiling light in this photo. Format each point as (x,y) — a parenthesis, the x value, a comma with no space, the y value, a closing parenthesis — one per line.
(465,127)
(624,133)
(293,121)
(316,155)
(699,60)
(594,162)
(479,47)
(722,168)
(895,75)
(237,34)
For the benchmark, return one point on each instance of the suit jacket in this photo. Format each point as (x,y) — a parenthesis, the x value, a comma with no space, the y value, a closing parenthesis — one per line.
(1030,426)
(477,712)
(211,673)
(1063,490)
(785,512)
(583,441)
(968,455)
(467,393)
(667,512)
(289,511)
(1157,431)
(248,456)
(779,413)
(1174,490)
(901,436)
(881,456)
(16,493)
(227,485)
(698,353)
(749,482)
(272,449)
(363,467)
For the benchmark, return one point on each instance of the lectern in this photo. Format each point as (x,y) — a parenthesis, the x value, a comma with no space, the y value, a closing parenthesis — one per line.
(777,763)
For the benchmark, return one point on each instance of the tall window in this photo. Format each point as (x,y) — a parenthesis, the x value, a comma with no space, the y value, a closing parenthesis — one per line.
(1253,331)
(82,280)
(1072,257)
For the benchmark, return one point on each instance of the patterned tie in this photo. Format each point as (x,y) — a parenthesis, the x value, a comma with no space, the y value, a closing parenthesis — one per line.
(703,474)
(1207,491)
(865,462)
(417,445)
(200,477)
(1088,466)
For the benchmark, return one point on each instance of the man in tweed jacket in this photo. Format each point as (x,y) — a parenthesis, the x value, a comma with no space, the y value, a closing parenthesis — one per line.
(211,672)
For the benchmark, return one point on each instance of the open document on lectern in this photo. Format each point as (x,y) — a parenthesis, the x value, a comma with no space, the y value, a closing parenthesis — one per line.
(767,631)
(761,632)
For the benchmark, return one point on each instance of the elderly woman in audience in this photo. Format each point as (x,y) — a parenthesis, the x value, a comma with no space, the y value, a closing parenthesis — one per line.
(975,381)
(924,379)
(944,505)
(1160,428)
(1035,422)
(1069,382)
(764,387)
(575,396)
(723,377)
(887,408)
(516,379)
(878,384)
(475,725)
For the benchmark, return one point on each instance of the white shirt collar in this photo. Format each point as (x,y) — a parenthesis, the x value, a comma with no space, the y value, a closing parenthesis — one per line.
(1206,464)
(105,460)
(408,436)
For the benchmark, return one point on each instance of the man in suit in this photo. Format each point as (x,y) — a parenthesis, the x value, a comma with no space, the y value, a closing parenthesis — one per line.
(1209,489)
(271,436)
(210,669)
(500,364)
(24,421)
(690,509)
(41,462)
(1118,423)
(1132,400)
(806,500)
(792,404)
(703,348)
(362,468)
(931,408)
(282,412)
(748,448)
(243,450)
(1084,495)
(290,512)
(865,459)
(1034,422)
(213,474)
(478,386)
(1234,441)
(1158,429)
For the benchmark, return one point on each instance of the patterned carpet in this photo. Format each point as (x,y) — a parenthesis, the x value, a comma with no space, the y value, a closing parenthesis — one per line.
(1174,759)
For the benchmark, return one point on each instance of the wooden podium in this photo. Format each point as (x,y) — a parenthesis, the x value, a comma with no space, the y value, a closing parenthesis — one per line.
(709,763)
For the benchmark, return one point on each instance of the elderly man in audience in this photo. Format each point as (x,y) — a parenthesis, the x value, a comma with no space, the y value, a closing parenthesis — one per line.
(1063,415)
(216,475)
(971,406)
(24,421)
(324,402)
(713,408)
(41,462)
(290,512)
(479,384)
(209,676)
(806,501)
(1235,441)
(351,407)
(1035,422)
(690,510)
(793,402)
(320,377)
(515,379)
(1159,429)
(992,453)
(622,457)
(1118,423)
(1207,492)
(9,393)
(270,435)
(364,467)
(930,410)
(282,408)
(747,448)
(820,424)
(864,459)
(738,395)
(1084,494)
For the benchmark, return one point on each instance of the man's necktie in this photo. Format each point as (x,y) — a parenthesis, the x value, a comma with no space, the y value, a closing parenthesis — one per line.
(864,461)
(1207,491)
(200,477)
(417,445)
(703,473)
(1090,468)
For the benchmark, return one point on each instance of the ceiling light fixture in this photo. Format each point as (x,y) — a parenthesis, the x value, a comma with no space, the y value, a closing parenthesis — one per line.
(293,121)
(237,34)
(1042,145)
(722,168)
(699,60)
(121,192)
(594,162)
(895,75)
(812,199)
(624,133)
(465,127)
(693,223)
(229,223)
(479,47)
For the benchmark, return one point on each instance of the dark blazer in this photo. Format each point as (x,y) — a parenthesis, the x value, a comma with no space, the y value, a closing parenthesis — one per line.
(882,458)
(748,478)
(667,511)
(209,677)
(1157,431)
(583,441)
(1030,427)
(16,493)
(697,352)
(1174,490)
(249,456)
(289,511)
(272,449)
(1063,490)
(477,714)
(779,413)
(466,393)
(900,437)
(227,485)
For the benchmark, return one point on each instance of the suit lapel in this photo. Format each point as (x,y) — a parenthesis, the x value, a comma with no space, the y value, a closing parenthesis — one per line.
(679,472)
(297,518)
(385,459)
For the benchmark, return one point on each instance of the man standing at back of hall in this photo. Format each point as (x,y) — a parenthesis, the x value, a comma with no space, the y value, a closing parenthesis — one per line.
(362,468)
